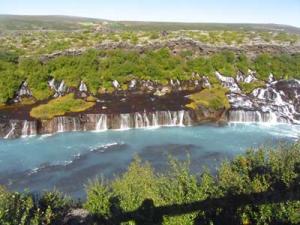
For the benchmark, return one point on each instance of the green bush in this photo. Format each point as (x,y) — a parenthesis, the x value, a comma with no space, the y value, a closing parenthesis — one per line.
(257,171)
(99,68)
(24,209)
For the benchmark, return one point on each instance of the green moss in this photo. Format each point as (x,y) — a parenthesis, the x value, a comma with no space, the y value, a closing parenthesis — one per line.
(27,101)
(59,107)
(247,88)
(214,98)
(91,99)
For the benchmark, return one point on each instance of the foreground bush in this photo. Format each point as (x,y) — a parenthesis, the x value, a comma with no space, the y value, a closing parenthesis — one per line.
(25,209)
(258,171)
(149,196)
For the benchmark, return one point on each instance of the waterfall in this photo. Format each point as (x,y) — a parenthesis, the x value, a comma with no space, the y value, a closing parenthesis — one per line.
(125,121)
(60,125)
(138,120)
(25,129)
(11,132)
(32,128)
(228,82)
(146,121)
(102,123)
(154,120)
(181,117)
(74,124)
(28,128)
(242,116)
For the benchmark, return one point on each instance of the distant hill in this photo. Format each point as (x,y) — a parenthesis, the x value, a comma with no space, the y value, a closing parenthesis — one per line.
(20,22)
(207,26)
(67,23)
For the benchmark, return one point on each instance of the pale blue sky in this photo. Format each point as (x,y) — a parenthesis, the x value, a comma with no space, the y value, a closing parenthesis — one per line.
(232,11)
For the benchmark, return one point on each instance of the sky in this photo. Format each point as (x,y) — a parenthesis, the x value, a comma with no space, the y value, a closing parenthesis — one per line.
(226,11)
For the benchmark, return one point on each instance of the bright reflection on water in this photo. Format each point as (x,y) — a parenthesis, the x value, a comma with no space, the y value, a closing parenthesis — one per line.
(68,160)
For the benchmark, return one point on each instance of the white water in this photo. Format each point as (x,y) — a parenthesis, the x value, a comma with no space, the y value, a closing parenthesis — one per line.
(11,132)
(242,116)
(60,125)
(102,123)
(124,125)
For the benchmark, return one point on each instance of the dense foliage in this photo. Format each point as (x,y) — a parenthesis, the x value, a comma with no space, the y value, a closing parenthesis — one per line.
(262,170)
(257,171)
(26,209)
(99,68)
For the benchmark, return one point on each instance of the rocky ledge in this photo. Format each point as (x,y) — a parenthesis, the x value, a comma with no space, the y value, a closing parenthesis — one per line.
(155,106)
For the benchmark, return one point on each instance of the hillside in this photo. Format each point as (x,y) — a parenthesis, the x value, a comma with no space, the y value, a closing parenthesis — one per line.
(51,22)
(20,22)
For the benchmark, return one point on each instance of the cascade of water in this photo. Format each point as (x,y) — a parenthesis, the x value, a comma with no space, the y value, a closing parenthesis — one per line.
(11,132)
(229,83)
(102,123)
(25,128)
(242,116)
(60,125)
(181,117)
(187,118)
(146,120)
(138,120)
(125,121)
(154,119)
(74,124)
(169,119)
(32,128)
(174,120)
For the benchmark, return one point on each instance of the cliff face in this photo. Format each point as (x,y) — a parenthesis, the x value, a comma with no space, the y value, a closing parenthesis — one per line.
(276,102)
(147,104)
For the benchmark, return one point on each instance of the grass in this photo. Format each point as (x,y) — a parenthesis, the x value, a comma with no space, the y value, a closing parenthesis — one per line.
(214,98)
(60,106)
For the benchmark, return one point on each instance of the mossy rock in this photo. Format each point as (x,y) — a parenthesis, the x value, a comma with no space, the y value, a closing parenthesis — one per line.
(91,99)
(214,98)
(59,107)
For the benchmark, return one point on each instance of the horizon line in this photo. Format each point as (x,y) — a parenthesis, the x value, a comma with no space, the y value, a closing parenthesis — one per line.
(149,21)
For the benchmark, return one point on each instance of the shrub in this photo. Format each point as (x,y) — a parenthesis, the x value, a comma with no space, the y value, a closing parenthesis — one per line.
(249,87)
(258,171)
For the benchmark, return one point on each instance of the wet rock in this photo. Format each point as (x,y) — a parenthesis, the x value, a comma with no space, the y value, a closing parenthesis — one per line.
(271,78)
(116,84)
(205,82)
(82,87)
(24,90)
(132,84)
(277,102)
(162,92)
(229,83)
(79,217)
(59,88)
(246,78)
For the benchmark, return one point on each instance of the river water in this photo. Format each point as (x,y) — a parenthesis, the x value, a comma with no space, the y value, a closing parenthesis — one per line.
(67,161)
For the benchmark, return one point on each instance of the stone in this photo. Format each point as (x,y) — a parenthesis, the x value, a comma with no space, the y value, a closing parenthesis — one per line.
(83,87)
(116,84)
